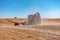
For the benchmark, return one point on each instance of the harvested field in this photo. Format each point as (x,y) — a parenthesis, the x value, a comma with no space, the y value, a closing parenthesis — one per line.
(48,30)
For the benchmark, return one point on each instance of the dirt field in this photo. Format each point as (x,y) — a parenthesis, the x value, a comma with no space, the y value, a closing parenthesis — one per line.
(49,29)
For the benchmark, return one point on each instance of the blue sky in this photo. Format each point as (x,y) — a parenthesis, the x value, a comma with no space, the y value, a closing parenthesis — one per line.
(22,8)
